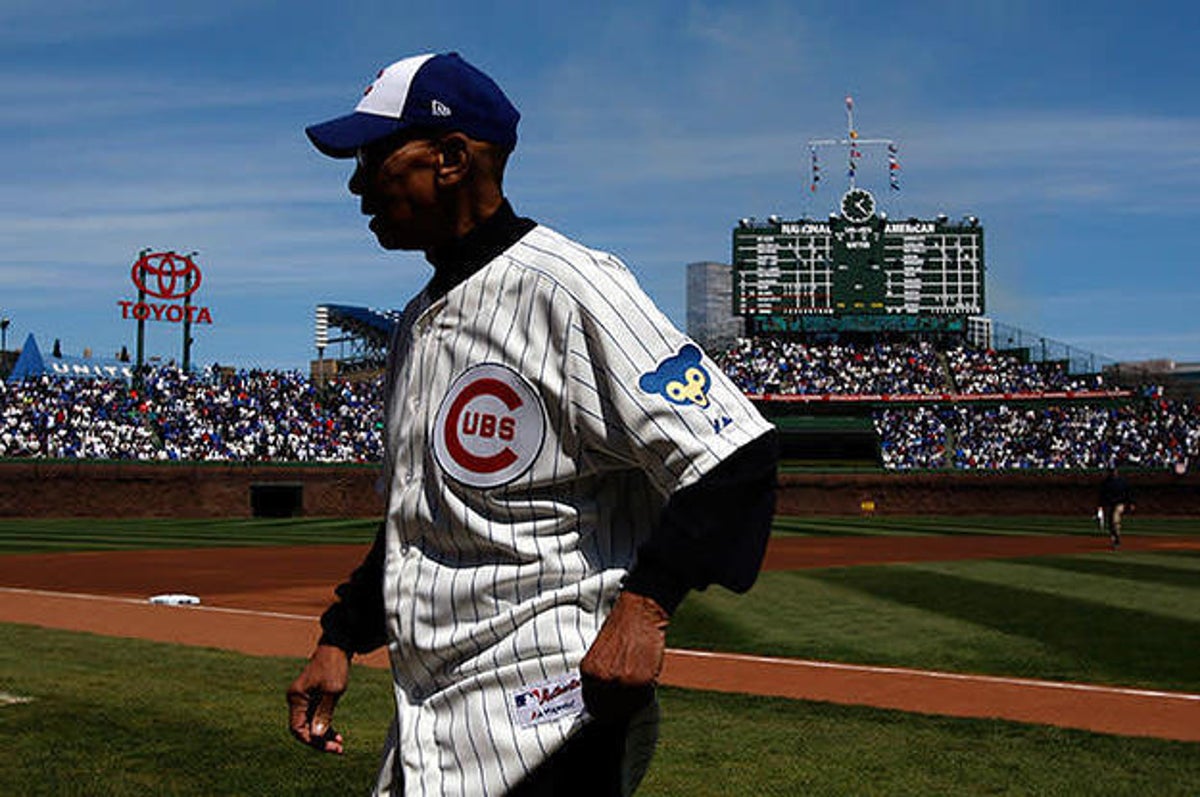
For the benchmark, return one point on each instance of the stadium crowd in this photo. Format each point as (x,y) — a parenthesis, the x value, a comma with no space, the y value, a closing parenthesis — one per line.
(246,416)
(259,415)
(976,371)
(763,366)
(1151,433)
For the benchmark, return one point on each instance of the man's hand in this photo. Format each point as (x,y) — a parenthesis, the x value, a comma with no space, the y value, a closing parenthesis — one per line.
(622,666)
(313,696)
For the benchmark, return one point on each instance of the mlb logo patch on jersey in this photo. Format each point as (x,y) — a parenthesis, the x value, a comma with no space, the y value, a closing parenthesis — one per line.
(490,426)
(680,379)
(547,701)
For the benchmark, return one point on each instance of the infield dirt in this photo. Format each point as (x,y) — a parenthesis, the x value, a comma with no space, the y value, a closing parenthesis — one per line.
(265,601)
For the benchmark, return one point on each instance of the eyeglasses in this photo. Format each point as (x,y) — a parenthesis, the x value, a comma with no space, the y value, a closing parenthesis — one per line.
(370,157)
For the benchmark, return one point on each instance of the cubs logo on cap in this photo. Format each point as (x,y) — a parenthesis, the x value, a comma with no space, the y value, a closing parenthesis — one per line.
(489,428)
(425,91)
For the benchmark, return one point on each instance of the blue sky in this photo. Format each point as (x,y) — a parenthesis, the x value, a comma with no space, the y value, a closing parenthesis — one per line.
(648,129)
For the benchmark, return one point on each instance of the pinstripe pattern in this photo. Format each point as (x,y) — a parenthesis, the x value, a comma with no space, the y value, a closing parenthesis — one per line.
(490,590)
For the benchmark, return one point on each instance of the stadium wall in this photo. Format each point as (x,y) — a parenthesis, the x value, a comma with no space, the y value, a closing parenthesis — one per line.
(976,493)
(193,490)
(113,490)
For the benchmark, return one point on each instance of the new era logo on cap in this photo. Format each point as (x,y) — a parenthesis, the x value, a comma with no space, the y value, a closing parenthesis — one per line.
(435,91)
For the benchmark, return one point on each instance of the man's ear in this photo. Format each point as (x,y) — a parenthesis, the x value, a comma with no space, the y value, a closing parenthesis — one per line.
(454,158)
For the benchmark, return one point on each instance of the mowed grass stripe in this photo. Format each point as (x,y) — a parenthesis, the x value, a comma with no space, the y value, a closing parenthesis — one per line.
(84,534)
(1175,570)
(883,525)
(1012,618)
(924,526)
(1058,633)
(48,535)
(1145,583)
(197,722)
(125,717)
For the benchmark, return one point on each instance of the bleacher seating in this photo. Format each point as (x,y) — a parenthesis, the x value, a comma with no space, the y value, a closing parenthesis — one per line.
(930,408)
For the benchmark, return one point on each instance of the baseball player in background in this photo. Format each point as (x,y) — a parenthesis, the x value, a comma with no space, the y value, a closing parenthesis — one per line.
(562,467)
(1115,498)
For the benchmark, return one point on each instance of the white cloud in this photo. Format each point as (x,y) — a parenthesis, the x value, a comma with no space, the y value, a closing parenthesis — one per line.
(39,99)
(26,22)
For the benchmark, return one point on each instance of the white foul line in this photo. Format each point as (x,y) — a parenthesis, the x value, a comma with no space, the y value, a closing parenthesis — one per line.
(946,676)
(144,602)
(697,654)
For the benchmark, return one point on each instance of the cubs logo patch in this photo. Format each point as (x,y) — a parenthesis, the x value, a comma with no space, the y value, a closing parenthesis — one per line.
(489,428)
(680,379)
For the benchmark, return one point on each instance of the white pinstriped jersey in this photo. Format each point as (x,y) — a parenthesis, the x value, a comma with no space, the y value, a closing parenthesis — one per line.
(539,415)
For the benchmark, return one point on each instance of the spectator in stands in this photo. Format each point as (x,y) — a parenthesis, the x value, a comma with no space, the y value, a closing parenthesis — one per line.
(1157,434)
(248,416)
(278,416)
(784,367)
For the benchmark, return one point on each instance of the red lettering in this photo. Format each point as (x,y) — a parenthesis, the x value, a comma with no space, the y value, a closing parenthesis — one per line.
(173,313)
(487,426)
(470,423)
(454,446)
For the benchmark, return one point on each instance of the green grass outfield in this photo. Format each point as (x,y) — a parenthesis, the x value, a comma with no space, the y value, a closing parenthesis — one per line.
(89,534)
(116,717)
(908,525)
(123,717)
(1127,619)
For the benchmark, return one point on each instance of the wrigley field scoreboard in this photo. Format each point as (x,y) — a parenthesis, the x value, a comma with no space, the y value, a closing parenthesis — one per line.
(858,270)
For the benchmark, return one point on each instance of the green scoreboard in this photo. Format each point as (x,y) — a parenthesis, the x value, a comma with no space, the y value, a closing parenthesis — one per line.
(858,270)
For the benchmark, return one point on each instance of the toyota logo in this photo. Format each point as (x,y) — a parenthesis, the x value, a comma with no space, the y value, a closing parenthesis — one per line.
(166,275)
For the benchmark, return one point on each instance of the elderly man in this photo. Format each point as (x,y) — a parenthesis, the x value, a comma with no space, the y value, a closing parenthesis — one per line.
(562,466)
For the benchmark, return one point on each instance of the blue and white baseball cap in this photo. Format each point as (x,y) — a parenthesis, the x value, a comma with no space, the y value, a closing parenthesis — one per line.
(425,91)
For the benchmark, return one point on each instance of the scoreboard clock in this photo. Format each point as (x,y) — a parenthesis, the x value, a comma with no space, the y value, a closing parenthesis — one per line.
(858,263)
(858,205)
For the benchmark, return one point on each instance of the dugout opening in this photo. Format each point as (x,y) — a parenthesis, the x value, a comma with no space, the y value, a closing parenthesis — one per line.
(277,499)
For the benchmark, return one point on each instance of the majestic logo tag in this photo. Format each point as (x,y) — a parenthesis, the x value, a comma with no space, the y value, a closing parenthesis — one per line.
(547,701)
(489,428)
(680,379)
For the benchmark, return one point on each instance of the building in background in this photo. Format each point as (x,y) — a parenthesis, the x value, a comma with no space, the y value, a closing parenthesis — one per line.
(710,318)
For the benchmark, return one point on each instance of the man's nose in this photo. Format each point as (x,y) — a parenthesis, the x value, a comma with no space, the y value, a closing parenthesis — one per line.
(357,183)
